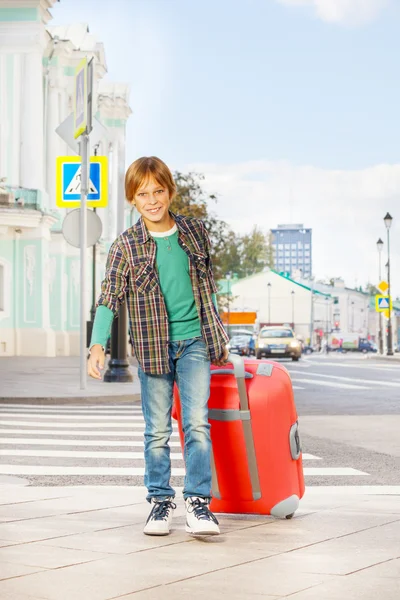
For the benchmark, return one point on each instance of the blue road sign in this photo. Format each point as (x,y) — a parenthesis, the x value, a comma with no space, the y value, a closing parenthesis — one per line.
(71,182)
(68,182)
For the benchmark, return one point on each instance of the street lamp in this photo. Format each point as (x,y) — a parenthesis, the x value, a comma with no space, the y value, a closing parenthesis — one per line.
(292,292)
(352,317)
(327,323)
(379,245)
(228,278)
(269,302)
(388,222)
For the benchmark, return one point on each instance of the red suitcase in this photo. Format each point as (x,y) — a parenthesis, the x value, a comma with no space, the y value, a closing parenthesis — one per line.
(256,452)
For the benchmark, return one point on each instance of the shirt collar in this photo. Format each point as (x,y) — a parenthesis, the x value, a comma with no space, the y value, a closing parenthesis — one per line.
(140,230)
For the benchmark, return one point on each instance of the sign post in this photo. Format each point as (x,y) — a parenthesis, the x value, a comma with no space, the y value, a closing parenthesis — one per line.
(82,125)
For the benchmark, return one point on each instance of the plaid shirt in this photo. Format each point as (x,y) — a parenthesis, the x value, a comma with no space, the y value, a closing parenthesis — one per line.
(131,272)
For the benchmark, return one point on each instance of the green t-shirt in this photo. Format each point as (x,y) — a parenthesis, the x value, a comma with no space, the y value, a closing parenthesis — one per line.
(176,286)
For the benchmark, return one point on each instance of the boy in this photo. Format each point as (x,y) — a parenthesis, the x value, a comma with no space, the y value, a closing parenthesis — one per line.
(162,266)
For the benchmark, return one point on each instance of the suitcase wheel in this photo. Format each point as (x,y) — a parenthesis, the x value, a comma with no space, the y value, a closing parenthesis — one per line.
(289,516)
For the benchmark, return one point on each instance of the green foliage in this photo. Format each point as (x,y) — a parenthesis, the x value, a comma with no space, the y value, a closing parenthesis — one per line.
(244,255)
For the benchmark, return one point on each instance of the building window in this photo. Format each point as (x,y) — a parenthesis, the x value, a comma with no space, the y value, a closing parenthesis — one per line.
(306,261)
(294,254)
(294,246)
(287,254)
(287,246)
(307,246)
(306,253)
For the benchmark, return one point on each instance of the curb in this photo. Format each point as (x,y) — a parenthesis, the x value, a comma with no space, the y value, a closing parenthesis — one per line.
(385,357)
(123,399)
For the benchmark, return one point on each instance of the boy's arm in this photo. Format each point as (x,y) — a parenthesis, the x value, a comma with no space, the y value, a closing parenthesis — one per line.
(101,327)
(115,280)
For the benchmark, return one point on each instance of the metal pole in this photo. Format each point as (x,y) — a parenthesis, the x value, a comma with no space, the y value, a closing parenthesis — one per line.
(293,310)
(269,303)
(229,311)
(84,148)
(312,313)
(389,339)
(118,365)
(380,314)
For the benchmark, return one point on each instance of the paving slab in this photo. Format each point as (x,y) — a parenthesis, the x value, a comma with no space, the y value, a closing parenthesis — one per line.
(342,543)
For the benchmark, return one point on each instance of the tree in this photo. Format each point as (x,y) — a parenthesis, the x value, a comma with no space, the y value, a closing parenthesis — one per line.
(244,255)
(193,201)
(254,252)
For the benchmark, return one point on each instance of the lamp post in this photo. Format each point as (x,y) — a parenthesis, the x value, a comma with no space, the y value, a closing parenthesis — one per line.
(352,316)
(292,293)
(379,245)
(228,278)
(388,222)
(327,323)
(269,302)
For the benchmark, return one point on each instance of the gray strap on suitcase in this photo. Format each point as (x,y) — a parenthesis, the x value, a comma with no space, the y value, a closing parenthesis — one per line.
(244,414)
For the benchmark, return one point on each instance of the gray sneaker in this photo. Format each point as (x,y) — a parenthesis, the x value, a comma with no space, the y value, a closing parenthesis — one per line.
(160,517)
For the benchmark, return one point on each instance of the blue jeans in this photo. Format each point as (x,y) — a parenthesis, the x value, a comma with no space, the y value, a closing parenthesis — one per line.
(190,368)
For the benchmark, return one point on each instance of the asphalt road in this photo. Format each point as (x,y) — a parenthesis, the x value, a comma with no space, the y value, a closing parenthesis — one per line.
(349,415)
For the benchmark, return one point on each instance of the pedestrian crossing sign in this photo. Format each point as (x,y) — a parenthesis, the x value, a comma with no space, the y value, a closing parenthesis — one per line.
(383,303)
(68,182)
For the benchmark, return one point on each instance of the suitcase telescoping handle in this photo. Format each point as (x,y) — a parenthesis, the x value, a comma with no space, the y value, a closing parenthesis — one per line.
(243,414)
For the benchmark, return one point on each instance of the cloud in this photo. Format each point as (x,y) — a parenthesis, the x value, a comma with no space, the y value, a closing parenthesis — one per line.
(344,208)
(351,12)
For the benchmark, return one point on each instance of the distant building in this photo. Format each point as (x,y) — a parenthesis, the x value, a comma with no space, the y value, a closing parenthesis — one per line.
(292,246)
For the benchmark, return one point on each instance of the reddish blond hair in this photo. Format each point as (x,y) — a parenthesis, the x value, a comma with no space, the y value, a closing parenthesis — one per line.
(144,168)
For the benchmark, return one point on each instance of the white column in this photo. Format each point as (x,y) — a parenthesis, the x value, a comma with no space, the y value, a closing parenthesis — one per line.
(53,144)
(32,121)
(112,233)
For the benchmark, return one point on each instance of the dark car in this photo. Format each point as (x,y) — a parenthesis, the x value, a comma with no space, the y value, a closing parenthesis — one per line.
(240,344)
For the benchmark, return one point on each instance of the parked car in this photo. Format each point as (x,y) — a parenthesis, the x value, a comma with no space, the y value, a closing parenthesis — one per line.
(274,342)
(240,344)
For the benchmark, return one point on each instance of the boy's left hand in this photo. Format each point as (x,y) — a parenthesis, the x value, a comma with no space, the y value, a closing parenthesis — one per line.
(222,360)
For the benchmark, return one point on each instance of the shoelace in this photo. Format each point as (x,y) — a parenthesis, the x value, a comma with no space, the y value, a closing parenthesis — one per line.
(201,510)
(161,510)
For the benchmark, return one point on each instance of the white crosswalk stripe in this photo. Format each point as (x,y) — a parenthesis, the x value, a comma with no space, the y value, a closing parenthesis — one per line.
(54,441)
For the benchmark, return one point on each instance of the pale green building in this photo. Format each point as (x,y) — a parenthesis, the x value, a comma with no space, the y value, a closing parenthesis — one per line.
(39,271)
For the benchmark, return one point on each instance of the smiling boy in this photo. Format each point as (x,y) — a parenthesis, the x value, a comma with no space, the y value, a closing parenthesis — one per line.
(162,267)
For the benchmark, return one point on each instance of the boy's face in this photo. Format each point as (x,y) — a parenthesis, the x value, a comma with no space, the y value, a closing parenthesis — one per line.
(152,202)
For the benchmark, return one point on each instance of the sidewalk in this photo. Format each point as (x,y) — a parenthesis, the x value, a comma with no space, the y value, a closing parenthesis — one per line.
(86,543)
(49,380)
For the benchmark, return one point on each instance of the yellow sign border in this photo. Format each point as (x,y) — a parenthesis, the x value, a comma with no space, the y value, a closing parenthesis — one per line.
(377,298)
(102,202)
(81,67)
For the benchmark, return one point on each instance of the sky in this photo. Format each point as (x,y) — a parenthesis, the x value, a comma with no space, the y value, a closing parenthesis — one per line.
(290,108)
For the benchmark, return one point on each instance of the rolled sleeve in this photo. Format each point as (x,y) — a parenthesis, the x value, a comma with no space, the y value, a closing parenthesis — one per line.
(115,280)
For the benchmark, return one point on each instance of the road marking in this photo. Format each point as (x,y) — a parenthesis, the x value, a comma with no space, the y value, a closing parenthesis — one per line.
(90,425)
(75,407)
(343,386)
(97,454)
(338,377)
(298,387)
(134,471)
(81,454)
(42,412)
(78,433)
(57,442)
(363,366)
(108,418)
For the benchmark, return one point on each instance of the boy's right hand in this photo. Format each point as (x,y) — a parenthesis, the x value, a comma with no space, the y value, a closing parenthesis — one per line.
(96,361)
